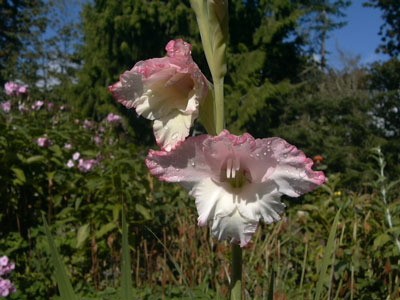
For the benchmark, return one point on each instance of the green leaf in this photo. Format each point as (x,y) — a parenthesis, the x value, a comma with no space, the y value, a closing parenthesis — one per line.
(63,282)
(34,159)
(105,229)
(143,211)
(126,279)
(21,179)
(381,240)
(82,235)
(329,252)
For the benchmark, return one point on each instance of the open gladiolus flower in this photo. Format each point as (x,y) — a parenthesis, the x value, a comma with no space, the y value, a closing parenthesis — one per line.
(236,180)
(167,90)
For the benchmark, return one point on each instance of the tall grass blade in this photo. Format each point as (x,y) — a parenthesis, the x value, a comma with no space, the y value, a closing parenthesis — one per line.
(126,277)
(329,251)
(63,282)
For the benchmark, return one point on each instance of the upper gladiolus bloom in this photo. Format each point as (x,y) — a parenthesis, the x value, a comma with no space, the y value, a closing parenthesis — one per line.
(167,90)
(236,180)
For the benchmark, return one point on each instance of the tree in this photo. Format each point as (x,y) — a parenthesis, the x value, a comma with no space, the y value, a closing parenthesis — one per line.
(21,23)
(390,30)
(321,18)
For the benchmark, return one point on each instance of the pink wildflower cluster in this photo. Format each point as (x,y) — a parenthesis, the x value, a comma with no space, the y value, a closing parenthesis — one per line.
(6,286)
(113,118)
(14,89)
(237,181)
(84,165)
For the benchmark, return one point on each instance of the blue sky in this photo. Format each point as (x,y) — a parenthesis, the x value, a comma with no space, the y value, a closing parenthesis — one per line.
(358,37)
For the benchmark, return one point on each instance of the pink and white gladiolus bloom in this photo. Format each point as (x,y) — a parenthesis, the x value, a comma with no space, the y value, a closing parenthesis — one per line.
(236,181)
(167,90)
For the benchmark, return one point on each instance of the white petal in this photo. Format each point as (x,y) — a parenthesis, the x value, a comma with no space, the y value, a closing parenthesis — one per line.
(234,227)
(212,200)
(261,201)
(172,129)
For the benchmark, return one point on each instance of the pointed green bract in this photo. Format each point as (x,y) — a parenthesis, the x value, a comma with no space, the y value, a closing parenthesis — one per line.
(212,19)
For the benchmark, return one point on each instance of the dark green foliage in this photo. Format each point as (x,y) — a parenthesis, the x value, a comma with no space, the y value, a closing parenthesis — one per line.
(390,29)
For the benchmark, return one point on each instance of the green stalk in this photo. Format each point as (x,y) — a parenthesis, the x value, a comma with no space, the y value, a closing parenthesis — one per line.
(219,106)
(212,19)
(236,280)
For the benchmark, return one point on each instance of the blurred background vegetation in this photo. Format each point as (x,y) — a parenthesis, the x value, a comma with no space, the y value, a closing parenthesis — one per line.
(274,87)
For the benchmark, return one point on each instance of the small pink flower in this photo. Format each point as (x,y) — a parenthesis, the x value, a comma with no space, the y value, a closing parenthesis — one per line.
(236,180)
(88,124)
(43,142)
(86,165)
(76,156)
(22,89)
(98,140)
(37,105)
(67,146)
(6,266)
(50,106)
(6,287)
(10,88)
(167,90)
(113,118)
(70,163)
(6,106)
(15,89)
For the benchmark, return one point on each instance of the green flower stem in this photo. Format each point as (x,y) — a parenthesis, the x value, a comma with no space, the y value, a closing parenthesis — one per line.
(219,106)
(236,280)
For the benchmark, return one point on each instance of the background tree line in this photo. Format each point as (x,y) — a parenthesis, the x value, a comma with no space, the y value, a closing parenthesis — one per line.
(283,91)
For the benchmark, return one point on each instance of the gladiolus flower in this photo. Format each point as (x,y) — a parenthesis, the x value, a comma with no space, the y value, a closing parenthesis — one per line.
(167,90)
(236,180)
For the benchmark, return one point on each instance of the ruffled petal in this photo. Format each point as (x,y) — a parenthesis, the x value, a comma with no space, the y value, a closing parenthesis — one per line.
(212,200)
(186,164)
(288,167)
(128,89)
(234,227)
(261,202)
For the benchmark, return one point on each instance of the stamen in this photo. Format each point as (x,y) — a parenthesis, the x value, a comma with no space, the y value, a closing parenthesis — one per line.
(233,172)
(228,168)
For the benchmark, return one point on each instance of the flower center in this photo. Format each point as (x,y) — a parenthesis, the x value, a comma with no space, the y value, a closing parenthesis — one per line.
(234,173)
